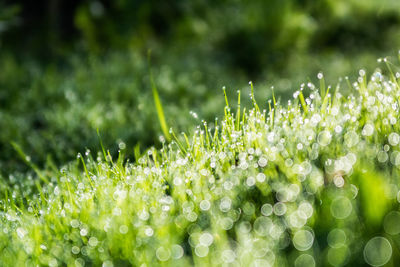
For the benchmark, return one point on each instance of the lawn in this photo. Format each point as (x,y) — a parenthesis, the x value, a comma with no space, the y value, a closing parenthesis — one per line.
(313,182)
(130,134)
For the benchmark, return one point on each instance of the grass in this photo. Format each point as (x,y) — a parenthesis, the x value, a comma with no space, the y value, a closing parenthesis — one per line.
(311,183)
(53,111)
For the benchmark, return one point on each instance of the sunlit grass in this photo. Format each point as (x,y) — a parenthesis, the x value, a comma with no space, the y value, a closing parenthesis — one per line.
(311,183)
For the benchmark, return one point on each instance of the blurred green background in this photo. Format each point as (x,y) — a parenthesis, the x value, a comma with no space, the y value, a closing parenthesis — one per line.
(70,67)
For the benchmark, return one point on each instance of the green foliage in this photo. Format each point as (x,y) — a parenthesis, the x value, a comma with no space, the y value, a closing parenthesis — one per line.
(56,112)
(97,76)
(313,182)
(310,188)
(157,103)
(250,37)
(372,186)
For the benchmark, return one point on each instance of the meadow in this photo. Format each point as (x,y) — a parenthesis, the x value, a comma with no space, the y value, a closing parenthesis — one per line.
(313,182)
(130,134)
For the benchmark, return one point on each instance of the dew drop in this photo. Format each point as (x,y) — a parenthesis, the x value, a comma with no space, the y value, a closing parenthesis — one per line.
(201,251)
(304,260)
(391,223)
(303,240)
(163,254)
(176,251)
(341,207)
(377,251)
(336,238)
(393,139)
(324,138)
(266,209)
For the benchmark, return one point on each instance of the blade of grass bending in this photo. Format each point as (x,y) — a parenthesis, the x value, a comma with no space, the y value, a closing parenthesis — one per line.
(238,113)
(253,96)
(24,157)
(178,142)
(86,172)
(157,102)
(226,108)
(136,152)
(392,76)
(101,144)
(271,114)
(322,86)
(333,98)
(325,101)
(273,97)
(186,140)
(348,83)
(272,111)
(226,97)
(303,102)
(206,133)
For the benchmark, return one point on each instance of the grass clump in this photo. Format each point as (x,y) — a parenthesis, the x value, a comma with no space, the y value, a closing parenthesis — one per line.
(313,183)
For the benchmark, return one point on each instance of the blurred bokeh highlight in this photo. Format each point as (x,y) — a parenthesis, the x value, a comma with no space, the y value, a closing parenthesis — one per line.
(68,68)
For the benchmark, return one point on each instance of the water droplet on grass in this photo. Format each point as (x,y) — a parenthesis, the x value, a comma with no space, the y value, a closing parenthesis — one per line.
(205,205)
(149,231)
(75,250)
(336,238)
(341,207)
(391,223)
(280,209)
(266,209)
(206,239)
(306,208)
(123,229)
(303,240)
(351,138)
(201,251)
(262,225)
(377,251)
(21,232)
(368,130)
(75,223)
(324,138)
(394,139)
(228,256)
(163,254)
(176,252)
(304,260)
(122,145)
(250,181)
(83,232)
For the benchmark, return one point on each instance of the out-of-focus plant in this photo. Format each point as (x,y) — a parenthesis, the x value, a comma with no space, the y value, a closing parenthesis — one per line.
(312,183)
(8,16)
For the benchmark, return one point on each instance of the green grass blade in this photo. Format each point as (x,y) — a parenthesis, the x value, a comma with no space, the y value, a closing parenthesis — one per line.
(101,145)
(325,101)
(303,102)
(25,158)
(157,103)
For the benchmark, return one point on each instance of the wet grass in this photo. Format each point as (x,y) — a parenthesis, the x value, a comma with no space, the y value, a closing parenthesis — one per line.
(314,182)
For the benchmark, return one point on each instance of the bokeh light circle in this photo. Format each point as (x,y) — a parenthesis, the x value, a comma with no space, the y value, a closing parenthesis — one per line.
(391,223)
(341,207)
(304,260)
(377,251)
(303,240)
(336,238)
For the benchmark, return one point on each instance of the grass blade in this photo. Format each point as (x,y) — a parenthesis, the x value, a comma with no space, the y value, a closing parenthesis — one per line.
(157,103)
